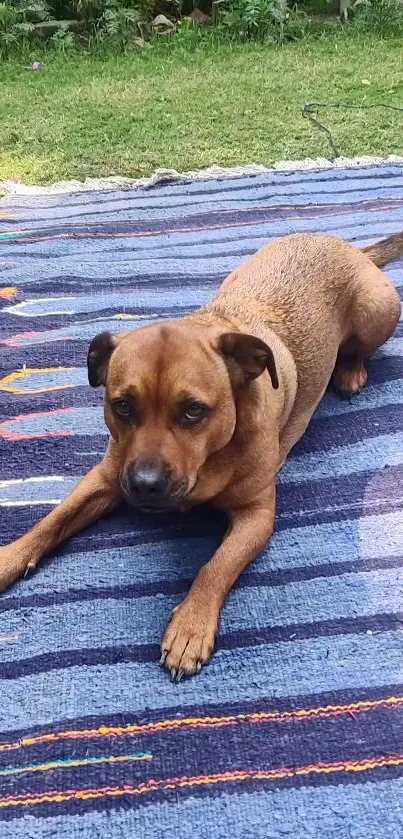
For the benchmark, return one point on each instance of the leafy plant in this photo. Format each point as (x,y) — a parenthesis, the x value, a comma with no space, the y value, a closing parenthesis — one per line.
(120,24)
(17,23)
(89,10)
(383,15)
(63,40)
(92,11)
(254,19)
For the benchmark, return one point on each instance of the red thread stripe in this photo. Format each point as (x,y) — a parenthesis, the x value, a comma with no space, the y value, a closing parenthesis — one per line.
(321,712)
(61,797)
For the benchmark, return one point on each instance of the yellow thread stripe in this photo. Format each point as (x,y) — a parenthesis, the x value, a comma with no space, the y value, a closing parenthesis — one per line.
(207,722)
(8,293)
(59,797)
(6,384)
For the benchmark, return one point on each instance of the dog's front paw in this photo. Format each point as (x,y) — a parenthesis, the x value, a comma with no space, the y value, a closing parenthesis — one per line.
(15,562)
(349,380)
(188,642)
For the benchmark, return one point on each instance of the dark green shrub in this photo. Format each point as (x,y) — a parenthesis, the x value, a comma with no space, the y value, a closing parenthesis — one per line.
(253,20)
(118,25)
(382,15)
(17,23)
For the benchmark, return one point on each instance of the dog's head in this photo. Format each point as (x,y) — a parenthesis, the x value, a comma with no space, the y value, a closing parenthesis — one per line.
(170,401)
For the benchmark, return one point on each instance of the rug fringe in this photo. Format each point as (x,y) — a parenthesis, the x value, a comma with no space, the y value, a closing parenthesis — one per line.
(160,176)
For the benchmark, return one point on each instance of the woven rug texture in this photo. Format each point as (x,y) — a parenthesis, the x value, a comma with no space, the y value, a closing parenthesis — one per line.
(295,729)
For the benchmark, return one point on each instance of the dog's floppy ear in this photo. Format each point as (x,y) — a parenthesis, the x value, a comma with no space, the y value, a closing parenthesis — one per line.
(99,353)
(247,357)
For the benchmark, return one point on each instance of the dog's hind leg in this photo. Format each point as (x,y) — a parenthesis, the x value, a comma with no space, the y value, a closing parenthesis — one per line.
(96,494)
(374,316)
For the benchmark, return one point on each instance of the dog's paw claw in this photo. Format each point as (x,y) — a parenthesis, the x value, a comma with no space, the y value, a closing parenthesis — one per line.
(189,640)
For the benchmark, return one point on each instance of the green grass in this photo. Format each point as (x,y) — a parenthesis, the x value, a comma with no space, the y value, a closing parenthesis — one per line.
(170,106)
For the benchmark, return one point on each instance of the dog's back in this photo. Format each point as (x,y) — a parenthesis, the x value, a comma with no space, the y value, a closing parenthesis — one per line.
(320,296)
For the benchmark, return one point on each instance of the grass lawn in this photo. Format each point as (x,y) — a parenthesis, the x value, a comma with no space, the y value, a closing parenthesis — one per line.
(169,106)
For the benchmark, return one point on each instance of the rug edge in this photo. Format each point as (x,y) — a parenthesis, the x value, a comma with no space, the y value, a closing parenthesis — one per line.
(11,188)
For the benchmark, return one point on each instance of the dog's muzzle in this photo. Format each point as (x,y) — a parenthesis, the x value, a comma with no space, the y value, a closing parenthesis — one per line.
(149,484)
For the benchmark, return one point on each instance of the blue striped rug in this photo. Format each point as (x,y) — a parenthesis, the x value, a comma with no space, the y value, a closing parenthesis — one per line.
(295,729)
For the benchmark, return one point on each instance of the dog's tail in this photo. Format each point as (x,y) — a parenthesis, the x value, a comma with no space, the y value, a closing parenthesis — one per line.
(386,250)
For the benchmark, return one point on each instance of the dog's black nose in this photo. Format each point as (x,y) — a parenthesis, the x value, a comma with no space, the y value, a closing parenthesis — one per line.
(148,482)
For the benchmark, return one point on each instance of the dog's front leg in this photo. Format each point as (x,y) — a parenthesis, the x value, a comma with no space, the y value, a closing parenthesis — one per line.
(96,494)
(189,639)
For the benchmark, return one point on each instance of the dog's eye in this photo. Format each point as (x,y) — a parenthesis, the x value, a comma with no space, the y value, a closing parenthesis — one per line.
(122,408)
(193,413)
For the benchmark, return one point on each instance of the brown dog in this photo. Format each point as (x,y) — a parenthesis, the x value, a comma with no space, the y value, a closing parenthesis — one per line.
(209,406)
